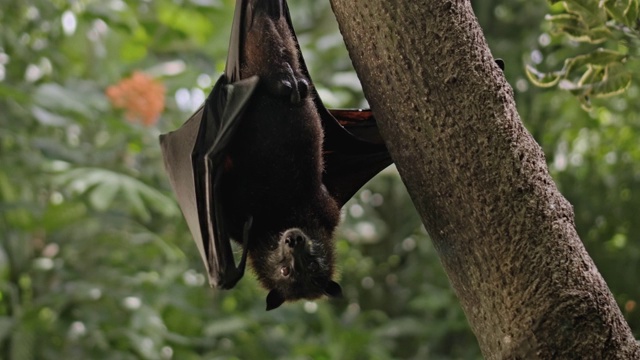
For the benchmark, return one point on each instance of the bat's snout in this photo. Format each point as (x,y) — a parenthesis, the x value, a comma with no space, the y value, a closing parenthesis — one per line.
(294,238)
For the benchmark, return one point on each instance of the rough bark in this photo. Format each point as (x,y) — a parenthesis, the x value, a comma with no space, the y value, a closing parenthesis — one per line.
(505,235)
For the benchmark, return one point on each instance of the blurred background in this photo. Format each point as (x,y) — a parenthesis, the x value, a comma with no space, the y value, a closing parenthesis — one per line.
(96,261)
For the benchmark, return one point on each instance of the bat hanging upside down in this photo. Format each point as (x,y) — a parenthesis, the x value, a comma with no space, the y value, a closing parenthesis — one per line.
(263,162)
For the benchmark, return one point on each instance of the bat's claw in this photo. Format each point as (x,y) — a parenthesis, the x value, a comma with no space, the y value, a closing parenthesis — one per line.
(303,88)
(245,234)
(296,91)
(245,243)
(286,85)
(231,278)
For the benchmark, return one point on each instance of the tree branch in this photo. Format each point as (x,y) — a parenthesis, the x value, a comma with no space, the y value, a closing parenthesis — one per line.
(505,235)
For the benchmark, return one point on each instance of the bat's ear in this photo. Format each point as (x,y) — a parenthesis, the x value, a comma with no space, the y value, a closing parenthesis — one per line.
(333,290)
(274,299)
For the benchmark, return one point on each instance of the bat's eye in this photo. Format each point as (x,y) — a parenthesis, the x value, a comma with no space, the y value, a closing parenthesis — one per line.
(285,271)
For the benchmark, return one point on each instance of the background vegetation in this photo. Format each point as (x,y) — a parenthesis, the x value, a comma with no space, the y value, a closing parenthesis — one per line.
(97,263)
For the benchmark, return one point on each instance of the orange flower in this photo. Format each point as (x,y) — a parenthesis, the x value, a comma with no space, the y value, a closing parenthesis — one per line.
(630,305)
(140,96)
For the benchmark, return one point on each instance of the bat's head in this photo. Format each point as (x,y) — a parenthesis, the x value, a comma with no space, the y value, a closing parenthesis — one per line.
(300,267)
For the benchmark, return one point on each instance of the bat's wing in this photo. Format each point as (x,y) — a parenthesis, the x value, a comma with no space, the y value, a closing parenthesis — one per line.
(354,151)
(193,155)
(359,122)
(236,42)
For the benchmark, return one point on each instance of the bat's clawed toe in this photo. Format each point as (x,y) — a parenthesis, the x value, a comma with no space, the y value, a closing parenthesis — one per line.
(294,91)
(299,91)
(303,88)
(287,84)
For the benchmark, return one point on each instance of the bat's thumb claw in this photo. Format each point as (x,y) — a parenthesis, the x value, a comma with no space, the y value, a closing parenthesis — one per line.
(248,224)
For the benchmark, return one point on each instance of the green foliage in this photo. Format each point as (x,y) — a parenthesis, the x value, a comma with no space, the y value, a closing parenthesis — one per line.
(608,34)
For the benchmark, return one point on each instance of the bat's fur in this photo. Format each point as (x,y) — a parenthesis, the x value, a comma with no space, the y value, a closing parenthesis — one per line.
(274,171)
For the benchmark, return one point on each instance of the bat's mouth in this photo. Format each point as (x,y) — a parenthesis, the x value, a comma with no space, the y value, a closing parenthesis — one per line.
(295,247)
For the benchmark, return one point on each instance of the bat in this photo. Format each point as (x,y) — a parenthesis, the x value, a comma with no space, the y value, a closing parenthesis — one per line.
(265,164)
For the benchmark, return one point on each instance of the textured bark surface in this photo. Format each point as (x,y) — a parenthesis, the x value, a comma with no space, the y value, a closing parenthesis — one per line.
(505,235)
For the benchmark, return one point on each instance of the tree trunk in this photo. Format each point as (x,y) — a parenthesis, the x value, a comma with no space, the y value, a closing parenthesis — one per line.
(505,235)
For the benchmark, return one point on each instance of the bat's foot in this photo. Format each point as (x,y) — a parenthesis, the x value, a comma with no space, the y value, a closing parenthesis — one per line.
(295,92)
(286,85)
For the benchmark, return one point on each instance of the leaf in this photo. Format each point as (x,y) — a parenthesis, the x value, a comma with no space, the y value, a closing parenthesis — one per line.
(614,80)
(103,194)
(542,79)
(599,57)
(48,118)
(592,75)
(561,22)
(64,214)
(623,11)
(78,97)
(54,149)
(103,185)
(576,29)
(588,11)
(55,97)
(192,23)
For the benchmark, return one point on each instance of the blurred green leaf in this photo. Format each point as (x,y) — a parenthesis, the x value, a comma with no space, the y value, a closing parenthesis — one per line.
(103,185)
(610,24)
(590,12)
(598,83)
(623,11)
(542,79)
(56,97)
